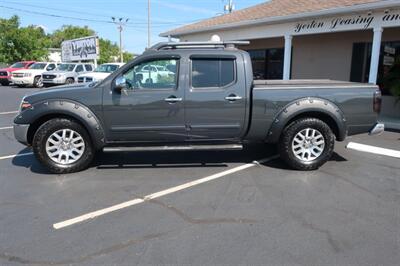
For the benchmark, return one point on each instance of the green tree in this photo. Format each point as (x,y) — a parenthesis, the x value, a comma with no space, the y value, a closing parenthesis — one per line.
(69,32)
(31,43)
(108,51)
(21,43)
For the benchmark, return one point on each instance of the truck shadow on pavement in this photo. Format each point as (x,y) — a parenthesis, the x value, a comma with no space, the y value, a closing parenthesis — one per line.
(172,159)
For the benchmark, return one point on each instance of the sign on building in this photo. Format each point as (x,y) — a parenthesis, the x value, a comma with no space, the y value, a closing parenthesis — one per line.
(80,49)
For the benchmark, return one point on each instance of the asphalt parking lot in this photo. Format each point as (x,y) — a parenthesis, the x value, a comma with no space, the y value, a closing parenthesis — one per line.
(228,211)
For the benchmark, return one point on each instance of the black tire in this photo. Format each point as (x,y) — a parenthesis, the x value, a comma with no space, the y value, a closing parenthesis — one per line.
(286,142)
(5,83)
(70,81)
(37,82)
(46,130)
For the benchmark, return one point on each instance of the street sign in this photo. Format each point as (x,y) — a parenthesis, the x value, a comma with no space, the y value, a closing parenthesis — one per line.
(80,49)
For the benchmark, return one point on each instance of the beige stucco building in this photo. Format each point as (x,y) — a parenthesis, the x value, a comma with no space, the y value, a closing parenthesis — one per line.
(351,40)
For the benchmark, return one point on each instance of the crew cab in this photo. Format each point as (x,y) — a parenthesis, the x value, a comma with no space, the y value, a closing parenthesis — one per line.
(100,73)
(5,73)
(65,73)
(209,101)
(33,75)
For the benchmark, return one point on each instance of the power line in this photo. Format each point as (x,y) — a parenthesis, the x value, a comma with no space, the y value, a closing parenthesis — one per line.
(85,13)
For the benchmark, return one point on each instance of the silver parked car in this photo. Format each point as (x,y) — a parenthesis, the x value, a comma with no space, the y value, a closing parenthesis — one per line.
(65,73)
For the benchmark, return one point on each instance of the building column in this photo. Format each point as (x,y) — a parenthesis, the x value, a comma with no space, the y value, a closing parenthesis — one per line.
(376,52)
(287,57)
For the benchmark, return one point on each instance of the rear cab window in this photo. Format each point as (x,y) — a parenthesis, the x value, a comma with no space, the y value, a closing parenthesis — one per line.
(212,72)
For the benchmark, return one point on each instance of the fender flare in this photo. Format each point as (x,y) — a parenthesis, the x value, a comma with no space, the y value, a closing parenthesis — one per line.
(70,108)
(308,105)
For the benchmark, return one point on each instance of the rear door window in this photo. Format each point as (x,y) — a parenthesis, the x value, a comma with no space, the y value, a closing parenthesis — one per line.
(79,68)
(89,67)
(212,73)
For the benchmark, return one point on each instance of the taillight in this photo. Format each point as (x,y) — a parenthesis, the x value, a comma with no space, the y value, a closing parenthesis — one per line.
(377,101)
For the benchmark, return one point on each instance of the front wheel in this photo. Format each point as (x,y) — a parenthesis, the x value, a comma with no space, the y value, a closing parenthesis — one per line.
(63,146)
(306,144)
(70,81)
(38,82)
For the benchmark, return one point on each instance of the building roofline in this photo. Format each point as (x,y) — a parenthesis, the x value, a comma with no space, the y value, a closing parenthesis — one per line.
(273,20)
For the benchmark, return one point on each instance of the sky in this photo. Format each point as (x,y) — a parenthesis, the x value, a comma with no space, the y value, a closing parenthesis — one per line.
(165,15)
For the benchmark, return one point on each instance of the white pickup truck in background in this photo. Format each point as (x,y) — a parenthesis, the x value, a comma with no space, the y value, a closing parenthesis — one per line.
(33,75)
(100,73)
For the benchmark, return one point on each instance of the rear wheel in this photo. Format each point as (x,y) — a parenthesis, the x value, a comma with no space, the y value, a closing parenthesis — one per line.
(306,144)
(38,82)
(63,146)
(5,82)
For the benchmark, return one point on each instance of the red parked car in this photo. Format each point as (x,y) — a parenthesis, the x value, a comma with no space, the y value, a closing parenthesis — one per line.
(5,73)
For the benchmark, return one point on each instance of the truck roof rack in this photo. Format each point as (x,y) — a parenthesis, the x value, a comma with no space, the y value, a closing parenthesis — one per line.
(191,45)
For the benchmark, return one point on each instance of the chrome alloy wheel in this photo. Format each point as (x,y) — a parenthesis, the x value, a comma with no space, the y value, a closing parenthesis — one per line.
(65,146)
(308,145)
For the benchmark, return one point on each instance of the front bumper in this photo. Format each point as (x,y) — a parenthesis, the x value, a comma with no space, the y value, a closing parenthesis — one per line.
(379,128)
(21,133)
(54,81)
(22,81)
(5,78)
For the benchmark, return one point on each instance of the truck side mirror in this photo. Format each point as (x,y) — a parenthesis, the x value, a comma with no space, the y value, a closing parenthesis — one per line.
(120,84)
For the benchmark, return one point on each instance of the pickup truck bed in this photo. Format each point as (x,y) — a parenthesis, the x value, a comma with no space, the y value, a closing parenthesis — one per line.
(350,103)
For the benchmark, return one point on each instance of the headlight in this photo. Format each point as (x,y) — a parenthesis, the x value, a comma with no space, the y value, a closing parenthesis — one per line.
(27,74)
(25,105)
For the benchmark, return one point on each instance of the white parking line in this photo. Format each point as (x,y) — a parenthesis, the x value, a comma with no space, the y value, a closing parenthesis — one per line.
(15,155)
(1,128)
(8,113)
(373,149)
(159,194)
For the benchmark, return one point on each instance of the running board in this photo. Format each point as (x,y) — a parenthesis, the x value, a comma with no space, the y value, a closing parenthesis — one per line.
(176,148)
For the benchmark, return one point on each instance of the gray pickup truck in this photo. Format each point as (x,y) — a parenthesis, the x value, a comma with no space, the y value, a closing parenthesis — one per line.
(205,98)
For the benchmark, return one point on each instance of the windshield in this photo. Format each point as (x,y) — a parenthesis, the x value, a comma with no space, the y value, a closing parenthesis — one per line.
(66,67)
(106,68)
(38,66)
(18,65)
(160,68)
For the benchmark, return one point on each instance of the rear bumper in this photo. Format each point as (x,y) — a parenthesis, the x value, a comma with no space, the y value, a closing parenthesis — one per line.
(21,133)
(379,128)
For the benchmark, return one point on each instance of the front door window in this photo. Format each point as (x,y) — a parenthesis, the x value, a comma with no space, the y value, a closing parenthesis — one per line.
(158,74)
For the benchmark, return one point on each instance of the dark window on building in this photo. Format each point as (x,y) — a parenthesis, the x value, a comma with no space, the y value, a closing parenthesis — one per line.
(212,73)
(268,63)
(389,65)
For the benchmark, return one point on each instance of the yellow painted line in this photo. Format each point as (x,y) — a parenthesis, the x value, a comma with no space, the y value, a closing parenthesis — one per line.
(92,215)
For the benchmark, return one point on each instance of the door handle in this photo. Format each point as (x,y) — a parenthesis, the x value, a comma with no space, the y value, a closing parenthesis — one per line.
(172,99)
(233,97)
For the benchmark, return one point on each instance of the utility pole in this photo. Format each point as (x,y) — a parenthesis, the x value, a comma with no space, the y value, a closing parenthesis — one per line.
(121,22)
(229,7)
(148,24)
